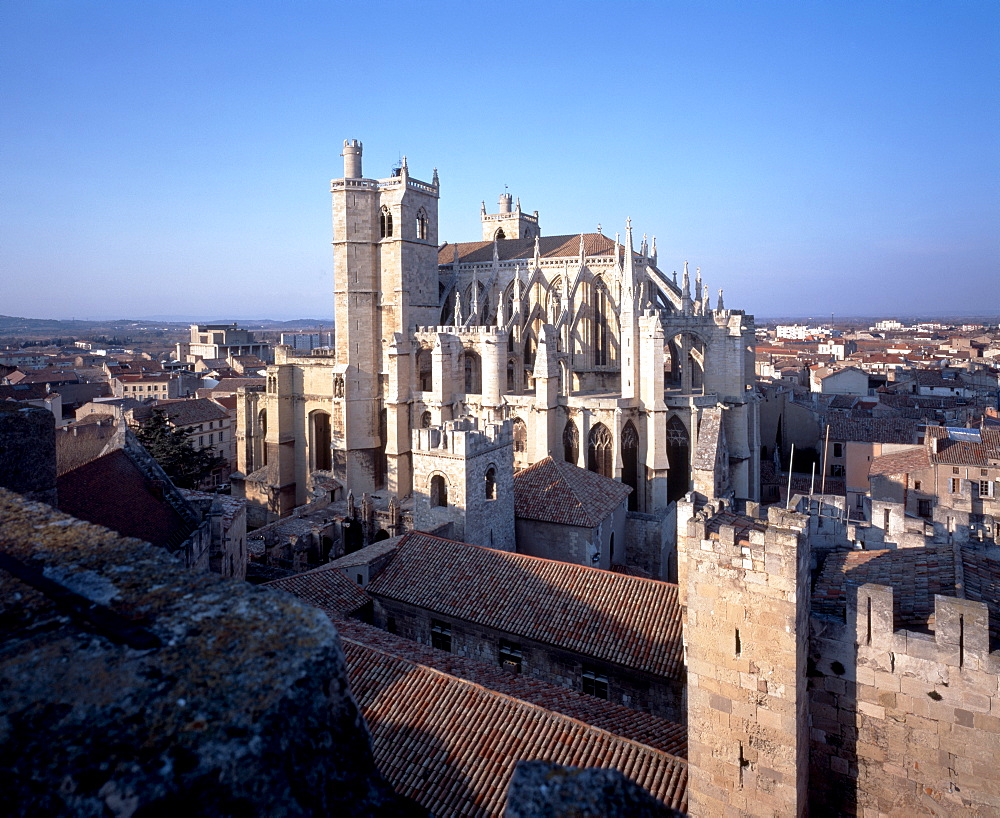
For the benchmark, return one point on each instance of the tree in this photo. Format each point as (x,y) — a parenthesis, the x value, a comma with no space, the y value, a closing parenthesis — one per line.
(185,465)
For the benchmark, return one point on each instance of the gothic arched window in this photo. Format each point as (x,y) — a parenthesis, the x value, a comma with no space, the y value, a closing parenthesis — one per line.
(520,436)
(472,369)
(499,235)
(422,223)
(599,326)
(600,450)
(385,222)
(571,443)
(425,370)
(555,301)
(491,483)
(630,463)
(678,457)
(425,420)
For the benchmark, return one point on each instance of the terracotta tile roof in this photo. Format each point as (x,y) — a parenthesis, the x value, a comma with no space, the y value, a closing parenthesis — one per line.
(873,430)
(555,491)
(653,731)
(594,244)
(903,462)
(325,588)
(451,745)
(364,556)
(81,442)
(624,620)
(113,492)
(952,450)
(915,575)
(186,412)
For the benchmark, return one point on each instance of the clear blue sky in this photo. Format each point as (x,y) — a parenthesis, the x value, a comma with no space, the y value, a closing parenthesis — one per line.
(812,157)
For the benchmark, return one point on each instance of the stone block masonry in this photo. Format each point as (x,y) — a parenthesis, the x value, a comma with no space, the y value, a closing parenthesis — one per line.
(905,721)
(747,616)
(131,686)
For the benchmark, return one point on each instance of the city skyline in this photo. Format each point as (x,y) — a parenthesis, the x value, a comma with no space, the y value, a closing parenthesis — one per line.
(810,160)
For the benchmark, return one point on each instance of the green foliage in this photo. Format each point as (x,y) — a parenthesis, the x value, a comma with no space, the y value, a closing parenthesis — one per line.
(185,465)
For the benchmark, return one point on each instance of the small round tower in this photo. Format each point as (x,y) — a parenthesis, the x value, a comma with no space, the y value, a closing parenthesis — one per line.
(352,159)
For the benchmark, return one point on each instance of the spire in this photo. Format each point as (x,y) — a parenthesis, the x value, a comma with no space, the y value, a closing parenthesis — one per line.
(517,207)
(538,254)
(458,308)
(482,208)
(583,252)
(697,283)
(720,308)
(645,247)
(435,181)
(404,171)
(618,242)
(686,291)
(652,255)
(628,270)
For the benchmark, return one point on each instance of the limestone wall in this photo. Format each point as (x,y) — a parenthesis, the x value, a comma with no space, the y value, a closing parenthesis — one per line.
(747,604)
(904,722)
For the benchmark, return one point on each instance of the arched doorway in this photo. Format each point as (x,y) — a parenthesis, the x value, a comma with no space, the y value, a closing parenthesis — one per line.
(630,463)
(600,451)
(439,492)
(679,458)
(319,440)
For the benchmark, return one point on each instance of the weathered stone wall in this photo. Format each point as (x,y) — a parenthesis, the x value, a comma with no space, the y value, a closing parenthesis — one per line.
(28,451)
(904,722)
(651,543)
(747,620)
(149,689)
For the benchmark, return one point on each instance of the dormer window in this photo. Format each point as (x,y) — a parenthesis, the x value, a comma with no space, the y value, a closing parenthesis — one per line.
(385,222)
(422,225)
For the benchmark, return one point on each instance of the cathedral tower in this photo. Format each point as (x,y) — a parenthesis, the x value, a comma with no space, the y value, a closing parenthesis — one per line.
(385,284)
(510,222)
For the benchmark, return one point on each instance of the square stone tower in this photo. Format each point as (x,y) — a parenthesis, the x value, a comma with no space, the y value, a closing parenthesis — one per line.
(385,234)
(464,475)
(510,222)
(747,635)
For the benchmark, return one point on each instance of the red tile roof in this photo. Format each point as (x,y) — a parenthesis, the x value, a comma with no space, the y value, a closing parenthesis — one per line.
(653,731)
(325,588)
(873,430)
(451,745)
(627,621)
(555,491)
(903,462)
(915,575)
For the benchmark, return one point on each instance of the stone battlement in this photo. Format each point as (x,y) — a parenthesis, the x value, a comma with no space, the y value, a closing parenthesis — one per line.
(960,637)
(463,437)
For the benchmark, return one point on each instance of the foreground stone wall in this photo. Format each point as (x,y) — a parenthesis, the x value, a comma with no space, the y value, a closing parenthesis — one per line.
(904,722)
(131,686)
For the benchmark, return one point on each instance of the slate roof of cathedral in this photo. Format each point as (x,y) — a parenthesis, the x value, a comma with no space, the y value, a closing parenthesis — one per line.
(594,244)
(325,588)
(915,575)
(555,491)
(644,728)
(619,619)
(452,745)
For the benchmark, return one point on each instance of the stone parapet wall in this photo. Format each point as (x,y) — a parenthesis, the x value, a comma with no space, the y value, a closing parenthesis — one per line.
(905,721)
